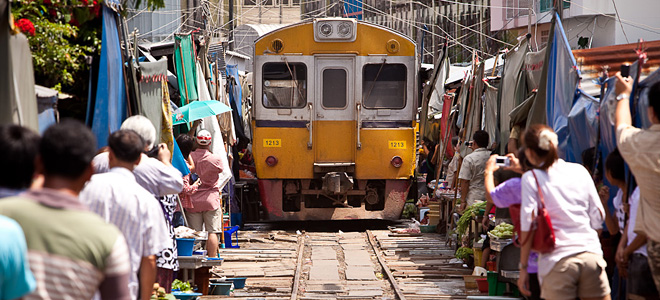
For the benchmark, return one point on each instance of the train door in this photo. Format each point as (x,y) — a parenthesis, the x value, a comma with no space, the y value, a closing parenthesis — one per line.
(334,126)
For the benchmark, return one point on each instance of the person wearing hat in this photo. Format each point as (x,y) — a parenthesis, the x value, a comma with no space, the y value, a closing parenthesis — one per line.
(206,201)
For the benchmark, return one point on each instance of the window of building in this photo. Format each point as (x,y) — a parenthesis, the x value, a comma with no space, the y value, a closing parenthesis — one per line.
(334,88)
(517,8)
(384,86)
(546,5)
(284,85)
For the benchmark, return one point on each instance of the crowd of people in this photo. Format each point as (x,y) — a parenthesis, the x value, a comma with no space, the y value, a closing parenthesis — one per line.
(81,223)
(576,202)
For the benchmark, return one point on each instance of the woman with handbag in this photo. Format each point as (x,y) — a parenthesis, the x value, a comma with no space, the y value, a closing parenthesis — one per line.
(560,217)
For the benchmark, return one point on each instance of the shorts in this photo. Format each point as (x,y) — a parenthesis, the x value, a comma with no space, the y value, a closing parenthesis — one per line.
(640,280)
(212,220)
(581,275)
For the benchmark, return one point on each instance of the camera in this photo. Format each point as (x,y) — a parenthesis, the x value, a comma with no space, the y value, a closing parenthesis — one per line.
(153,152)
(625,70)
(502,161)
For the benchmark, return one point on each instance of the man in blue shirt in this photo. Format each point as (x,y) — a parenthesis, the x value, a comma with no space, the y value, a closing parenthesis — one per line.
(16,279)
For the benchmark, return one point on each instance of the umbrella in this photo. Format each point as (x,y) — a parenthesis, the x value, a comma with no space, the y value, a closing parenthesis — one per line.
(197,110)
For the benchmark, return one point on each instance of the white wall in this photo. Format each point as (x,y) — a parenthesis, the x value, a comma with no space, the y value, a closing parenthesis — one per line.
(637,16)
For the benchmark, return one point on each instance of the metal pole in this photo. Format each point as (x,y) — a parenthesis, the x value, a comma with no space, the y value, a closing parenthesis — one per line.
(280,11)
(231,24)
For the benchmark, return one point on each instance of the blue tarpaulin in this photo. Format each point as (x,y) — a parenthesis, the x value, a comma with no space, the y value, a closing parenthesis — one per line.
(110,104)
(178,161)
(235,92)
(562,83)
(582,126)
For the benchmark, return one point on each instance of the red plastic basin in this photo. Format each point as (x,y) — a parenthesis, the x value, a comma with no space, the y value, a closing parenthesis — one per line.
(482,284)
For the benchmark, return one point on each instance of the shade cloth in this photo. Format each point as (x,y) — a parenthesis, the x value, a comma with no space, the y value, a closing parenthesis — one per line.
(110,104)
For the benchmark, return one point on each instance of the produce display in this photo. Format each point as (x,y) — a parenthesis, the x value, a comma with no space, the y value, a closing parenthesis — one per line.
(502,231)
(160,294)
(464,221)
(181,286)
(463,253)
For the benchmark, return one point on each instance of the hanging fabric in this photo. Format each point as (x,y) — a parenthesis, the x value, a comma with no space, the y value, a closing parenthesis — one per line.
(582,126)
(202,88)
(151,92)
(557,92)
(186,70)
(513,64)
(435,88)
(110,105)
(18,102)
(167,131)
(490,113)
(235,93)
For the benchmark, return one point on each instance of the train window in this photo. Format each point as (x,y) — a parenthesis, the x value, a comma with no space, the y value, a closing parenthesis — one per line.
(284,85)
(334,88)
(384,86)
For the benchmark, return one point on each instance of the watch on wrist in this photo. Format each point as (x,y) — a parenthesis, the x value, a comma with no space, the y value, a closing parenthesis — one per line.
(522,266)
(622,96)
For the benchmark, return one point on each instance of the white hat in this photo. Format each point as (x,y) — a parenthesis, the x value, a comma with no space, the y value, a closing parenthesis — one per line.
(204,137)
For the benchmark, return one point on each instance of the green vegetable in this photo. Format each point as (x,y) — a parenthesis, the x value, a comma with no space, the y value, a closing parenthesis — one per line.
(503,230)
(464,253)
(464,221)
(181,286)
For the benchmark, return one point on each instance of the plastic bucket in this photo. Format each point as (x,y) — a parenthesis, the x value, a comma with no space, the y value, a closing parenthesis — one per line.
(239,282)
(185,246)
(221,288)
(482,284)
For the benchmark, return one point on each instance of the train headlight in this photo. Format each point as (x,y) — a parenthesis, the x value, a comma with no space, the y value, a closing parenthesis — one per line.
(335,30)
(397,162)
(325,29)
(271,161)
(345,29)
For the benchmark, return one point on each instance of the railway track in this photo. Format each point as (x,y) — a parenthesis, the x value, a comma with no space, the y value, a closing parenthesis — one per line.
(341,265)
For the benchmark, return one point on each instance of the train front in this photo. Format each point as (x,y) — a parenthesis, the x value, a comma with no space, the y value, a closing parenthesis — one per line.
(334,120)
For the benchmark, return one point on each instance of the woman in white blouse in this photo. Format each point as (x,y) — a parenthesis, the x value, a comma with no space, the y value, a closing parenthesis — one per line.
(575,268)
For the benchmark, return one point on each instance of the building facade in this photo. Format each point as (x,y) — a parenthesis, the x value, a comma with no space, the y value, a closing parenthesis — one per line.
(587,23)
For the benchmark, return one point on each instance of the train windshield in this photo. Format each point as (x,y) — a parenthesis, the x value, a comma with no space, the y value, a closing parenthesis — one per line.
(384,86)
(284,85)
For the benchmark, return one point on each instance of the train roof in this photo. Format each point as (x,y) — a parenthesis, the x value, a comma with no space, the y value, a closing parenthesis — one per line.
(373,42)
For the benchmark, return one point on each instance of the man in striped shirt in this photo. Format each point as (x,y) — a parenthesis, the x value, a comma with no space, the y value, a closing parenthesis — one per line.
(121,201)
(72,251)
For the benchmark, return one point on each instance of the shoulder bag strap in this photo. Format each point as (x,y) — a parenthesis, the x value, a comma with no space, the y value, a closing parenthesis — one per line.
(540,203)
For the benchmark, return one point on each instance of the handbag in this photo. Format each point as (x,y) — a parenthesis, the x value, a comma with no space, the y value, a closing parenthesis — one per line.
(543,235)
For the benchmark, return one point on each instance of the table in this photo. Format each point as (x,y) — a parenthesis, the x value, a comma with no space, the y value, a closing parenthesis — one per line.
(201,266)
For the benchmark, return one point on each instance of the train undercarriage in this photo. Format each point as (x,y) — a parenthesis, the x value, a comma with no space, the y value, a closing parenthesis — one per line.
(335,196)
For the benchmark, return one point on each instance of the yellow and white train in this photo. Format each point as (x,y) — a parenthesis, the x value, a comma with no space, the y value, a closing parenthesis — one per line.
(334,120)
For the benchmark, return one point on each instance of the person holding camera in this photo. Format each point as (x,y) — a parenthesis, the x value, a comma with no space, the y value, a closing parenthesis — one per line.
(575,266)
(156,174)
(639,148)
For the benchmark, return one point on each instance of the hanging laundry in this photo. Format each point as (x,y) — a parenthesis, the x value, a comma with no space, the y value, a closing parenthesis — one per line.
(110,104)
(18,102)
(151,92)
(186,70)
